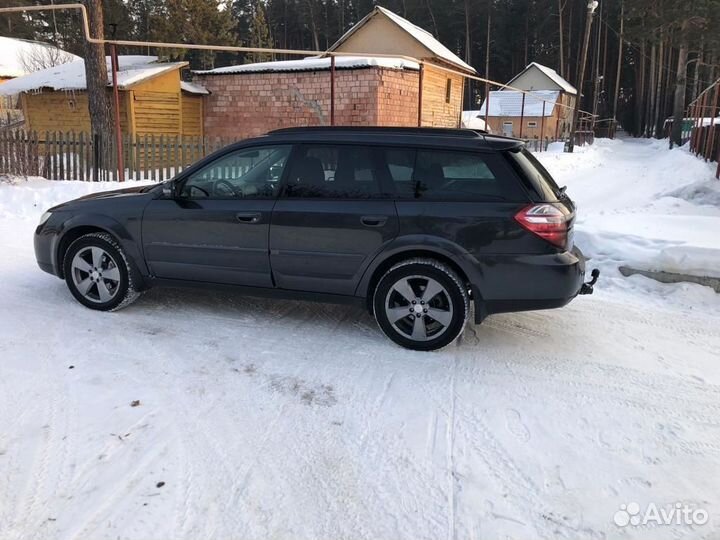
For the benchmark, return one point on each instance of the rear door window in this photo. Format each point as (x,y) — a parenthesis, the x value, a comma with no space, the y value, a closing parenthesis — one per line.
(334,172)
(449,175)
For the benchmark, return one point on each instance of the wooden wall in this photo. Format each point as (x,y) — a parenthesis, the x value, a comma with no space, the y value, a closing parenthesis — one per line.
(437,111)
(63,111)
(528,132)
(153,107)
(192,114)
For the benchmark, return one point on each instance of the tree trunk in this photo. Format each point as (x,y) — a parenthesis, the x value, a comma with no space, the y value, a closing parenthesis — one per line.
(680,87)
(313,25)
(560,33)
(640,93)
(698,64)
(651,92)
(432,18)
(658,89)
(99,104)
(527,34)
(619,62)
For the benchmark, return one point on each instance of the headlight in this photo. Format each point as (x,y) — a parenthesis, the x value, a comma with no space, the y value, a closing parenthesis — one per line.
(44,218)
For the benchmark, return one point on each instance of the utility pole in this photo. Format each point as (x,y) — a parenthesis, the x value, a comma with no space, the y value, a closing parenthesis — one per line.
(591,7)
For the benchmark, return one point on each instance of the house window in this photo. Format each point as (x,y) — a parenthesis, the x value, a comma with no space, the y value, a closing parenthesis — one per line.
(532,124)
(448,90)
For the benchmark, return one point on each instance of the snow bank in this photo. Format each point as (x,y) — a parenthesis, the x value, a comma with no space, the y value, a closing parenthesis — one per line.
(642,205)
(20,198)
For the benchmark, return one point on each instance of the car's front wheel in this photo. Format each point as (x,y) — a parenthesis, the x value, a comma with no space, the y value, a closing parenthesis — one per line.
(421,304)
(98,273)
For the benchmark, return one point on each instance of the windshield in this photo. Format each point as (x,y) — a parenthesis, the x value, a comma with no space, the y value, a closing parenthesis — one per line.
(533,170)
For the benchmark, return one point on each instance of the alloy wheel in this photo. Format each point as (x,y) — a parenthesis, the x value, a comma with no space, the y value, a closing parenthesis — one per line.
(419,308)
(95,274)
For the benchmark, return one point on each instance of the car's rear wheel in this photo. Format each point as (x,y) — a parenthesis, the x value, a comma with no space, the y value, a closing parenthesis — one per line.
(98,273)
(421,304)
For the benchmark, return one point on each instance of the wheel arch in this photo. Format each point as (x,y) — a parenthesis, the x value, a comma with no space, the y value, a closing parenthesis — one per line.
(452,256)
(81,225)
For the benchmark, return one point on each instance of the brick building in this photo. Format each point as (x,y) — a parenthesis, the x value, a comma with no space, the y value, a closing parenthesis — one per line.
(251,99)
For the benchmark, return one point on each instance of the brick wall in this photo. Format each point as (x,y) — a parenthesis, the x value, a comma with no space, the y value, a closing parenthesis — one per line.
(397,95)
(245,105)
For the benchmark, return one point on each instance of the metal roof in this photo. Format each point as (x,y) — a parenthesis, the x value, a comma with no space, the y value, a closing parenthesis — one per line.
(313,63)
(510,103)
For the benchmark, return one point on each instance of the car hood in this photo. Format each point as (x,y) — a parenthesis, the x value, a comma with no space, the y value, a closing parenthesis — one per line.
(115,193)
(103,195)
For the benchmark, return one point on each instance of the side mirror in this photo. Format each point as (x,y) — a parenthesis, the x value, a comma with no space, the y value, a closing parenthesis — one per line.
(168,190)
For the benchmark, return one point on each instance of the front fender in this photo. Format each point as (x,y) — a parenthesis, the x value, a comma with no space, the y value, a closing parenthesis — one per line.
(129,241)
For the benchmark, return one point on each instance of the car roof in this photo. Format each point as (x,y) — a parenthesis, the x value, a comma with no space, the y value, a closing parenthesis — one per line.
(406,136)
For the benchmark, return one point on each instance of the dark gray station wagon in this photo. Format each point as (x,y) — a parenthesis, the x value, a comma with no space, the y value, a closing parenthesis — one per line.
(417,224)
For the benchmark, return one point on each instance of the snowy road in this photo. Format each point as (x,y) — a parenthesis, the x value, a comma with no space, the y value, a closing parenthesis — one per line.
(272,419)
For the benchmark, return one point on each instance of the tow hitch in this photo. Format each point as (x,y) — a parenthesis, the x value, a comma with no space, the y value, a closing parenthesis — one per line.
(587,288)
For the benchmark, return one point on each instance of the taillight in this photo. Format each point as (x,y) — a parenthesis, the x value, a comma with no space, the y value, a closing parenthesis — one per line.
(547,221)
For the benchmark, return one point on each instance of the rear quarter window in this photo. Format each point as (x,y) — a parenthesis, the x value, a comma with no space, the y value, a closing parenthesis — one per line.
(450,175)
(533,173)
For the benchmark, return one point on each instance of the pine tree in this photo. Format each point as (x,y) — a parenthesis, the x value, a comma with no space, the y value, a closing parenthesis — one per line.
(201,22)
(260,35)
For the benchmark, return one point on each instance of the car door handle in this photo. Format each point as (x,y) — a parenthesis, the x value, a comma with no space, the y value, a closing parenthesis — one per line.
(373,221)
(248,217)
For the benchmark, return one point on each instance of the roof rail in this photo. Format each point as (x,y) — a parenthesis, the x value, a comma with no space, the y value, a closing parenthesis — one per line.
(454,132)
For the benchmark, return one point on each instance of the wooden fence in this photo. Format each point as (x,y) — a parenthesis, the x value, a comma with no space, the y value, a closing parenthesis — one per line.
(80,156)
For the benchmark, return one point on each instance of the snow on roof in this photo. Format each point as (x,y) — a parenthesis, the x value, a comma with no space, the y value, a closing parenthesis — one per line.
(551,74)
(193,88)
(71,76)
(314,63)
(18,56)
(421,35)
(474,120)
(510,103)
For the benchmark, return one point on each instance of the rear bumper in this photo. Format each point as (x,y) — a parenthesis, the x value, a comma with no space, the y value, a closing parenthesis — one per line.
(530,282)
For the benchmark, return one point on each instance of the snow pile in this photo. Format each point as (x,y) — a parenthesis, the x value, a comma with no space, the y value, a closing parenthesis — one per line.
(642,205)
(474,120)
(28,199)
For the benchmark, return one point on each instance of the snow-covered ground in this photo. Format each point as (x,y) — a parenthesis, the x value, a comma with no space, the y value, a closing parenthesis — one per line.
(276,419)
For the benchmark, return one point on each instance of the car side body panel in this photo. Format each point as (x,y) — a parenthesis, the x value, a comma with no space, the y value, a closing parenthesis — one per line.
(324,245)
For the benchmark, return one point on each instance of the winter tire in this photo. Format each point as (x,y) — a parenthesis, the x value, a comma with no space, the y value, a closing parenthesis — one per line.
(421,304)
(98,273)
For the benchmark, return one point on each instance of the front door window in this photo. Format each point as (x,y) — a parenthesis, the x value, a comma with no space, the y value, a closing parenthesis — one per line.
(250,173)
